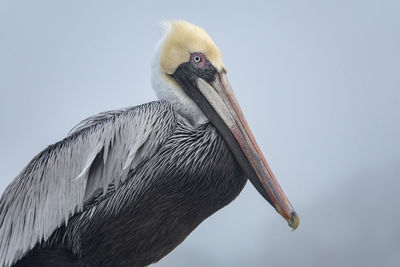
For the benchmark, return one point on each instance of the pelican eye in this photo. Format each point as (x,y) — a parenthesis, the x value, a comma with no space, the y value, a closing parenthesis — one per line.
(197,59)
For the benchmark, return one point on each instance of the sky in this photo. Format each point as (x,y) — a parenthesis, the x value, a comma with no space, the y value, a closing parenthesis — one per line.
(318,81)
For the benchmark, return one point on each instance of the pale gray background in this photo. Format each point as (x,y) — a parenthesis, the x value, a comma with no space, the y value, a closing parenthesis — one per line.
(319,82)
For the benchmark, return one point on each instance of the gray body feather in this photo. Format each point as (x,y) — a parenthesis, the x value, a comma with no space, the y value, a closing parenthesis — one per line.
(124,188)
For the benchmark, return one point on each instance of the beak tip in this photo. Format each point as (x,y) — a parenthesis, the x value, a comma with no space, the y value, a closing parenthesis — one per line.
(294,220)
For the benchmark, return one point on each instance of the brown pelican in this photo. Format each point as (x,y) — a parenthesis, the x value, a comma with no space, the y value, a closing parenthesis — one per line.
(126,187)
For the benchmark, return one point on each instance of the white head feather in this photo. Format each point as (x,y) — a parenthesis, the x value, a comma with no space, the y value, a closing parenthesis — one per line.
(180,39)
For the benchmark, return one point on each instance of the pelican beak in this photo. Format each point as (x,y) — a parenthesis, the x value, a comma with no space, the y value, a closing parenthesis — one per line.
(215,97)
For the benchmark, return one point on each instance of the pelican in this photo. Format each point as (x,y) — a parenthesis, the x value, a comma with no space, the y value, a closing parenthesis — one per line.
(126,187)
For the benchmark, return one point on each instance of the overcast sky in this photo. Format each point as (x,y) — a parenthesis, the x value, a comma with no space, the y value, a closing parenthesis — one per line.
(319,82)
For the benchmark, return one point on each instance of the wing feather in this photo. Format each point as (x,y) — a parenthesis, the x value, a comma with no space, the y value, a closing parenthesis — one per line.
(98,152)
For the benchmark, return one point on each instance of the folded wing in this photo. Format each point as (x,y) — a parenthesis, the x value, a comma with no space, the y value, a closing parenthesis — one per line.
(99,151)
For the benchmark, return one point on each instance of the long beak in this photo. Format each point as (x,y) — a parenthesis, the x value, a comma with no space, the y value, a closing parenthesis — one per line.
(226,115)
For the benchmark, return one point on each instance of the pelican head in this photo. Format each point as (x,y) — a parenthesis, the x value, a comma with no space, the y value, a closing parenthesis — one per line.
(189,73)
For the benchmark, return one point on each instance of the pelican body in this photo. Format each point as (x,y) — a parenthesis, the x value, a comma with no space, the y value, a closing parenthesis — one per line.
(126,187)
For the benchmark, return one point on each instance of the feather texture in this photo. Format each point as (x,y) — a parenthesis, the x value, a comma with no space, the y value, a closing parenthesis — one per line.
(99,152)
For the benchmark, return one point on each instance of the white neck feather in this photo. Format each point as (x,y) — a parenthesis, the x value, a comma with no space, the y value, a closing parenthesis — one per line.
(172,93)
